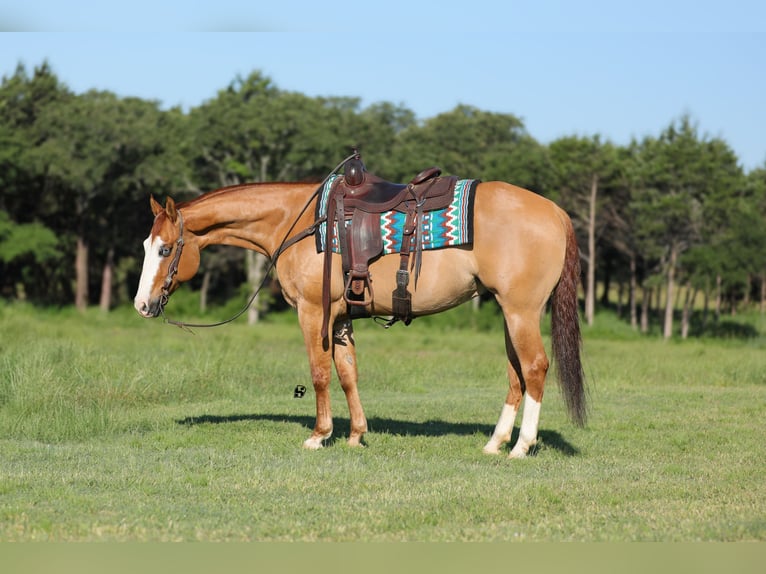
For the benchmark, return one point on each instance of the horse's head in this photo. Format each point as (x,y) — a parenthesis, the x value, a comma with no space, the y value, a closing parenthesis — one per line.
(171,256)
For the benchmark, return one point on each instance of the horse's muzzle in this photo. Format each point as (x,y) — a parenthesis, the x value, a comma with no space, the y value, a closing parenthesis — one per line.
(148,309)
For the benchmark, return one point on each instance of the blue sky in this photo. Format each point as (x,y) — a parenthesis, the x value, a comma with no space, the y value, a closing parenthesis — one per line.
(583,67)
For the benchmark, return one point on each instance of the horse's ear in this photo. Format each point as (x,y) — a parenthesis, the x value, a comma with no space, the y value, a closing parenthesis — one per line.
(170,209)
(156,207)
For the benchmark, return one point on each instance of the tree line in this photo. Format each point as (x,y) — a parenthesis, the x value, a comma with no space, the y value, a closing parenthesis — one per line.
(667,224)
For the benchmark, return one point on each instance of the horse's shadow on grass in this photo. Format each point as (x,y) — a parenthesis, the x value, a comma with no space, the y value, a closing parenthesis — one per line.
(547,439)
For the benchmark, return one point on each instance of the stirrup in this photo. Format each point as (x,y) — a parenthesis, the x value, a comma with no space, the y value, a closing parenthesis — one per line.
(358,285)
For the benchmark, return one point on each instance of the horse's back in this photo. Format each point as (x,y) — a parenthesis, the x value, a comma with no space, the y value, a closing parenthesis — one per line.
(509,210)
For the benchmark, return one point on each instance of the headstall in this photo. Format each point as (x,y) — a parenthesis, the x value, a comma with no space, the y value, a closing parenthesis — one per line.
(173,267)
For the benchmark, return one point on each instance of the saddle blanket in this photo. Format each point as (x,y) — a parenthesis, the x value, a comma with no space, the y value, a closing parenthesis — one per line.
(441,228)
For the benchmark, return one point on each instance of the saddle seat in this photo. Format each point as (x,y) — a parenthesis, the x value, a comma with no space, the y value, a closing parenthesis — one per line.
(373,194)
(355,205)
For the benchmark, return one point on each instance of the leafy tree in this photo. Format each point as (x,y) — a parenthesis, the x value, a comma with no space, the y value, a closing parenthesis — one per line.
(93,151)
(23,97)
(26,251)
(524,162)
(756,186)
(377,131)
(12,148)
(583,167)
(30,211)
(76,170)
(149,161)
(465,141)
(252,131)
(620,232)
(734,237)
(682,172)
(34,239)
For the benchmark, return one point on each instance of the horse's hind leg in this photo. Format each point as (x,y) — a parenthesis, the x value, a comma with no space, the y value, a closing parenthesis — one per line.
(344,356)
(527,368)
(533,364)
(502,433)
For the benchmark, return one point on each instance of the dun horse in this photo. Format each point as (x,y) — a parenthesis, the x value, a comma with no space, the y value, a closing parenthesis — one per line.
(523,251)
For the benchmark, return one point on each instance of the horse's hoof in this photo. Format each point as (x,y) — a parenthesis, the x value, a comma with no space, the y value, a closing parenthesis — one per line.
(521,448)
(313,443)
(492,447)
(316,440)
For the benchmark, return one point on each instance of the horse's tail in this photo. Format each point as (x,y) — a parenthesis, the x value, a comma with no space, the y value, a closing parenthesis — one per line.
(565,332)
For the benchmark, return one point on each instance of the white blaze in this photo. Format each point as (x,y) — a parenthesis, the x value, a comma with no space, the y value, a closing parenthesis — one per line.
(152,259)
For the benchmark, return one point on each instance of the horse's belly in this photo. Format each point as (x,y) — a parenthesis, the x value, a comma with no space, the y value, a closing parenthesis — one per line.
(447,278)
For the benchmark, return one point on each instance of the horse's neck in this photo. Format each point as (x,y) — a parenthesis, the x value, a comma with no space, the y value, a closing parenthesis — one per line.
(256,216)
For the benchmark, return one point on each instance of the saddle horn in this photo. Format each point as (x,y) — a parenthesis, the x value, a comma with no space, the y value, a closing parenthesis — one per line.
(354,172)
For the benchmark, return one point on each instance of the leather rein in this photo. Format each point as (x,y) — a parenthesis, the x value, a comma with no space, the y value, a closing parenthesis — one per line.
(283,246)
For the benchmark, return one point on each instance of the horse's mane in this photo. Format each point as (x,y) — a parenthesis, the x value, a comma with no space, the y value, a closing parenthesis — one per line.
(232,188)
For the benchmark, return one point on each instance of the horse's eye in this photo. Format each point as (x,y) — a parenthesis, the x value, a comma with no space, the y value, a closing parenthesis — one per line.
(165,250)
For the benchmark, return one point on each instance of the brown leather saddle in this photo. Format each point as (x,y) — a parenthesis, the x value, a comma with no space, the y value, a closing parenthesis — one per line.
(355,204)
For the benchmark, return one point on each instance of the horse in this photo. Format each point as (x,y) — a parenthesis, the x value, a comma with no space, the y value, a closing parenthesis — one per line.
(524,251)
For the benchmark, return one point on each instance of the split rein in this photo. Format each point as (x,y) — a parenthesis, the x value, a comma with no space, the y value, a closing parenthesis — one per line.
(284,245)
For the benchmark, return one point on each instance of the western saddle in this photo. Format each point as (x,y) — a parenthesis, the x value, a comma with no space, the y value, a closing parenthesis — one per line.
(355,204)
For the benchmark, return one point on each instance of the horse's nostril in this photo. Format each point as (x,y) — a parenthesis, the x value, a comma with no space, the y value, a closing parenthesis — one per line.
(142,308)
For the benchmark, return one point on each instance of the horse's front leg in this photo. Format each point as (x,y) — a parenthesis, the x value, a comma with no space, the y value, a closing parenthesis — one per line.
(320,362)
(344,356)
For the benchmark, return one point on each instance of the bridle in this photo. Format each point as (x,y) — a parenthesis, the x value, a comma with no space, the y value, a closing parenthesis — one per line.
(173,267)
(285,243)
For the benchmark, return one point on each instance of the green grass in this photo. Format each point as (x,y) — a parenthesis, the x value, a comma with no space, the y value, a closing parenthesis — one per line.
(117,428)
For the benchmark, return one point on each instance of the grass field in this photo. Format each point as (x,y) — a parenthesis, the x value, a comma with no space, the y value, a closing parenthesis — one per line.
(118,428)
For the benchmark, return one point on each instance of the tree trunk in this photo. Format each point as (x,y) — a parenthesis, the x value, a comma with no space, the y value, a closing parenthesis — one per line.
(264,174)
(620,295)
(657,305)
(718,281)
(646,298)
(679,296)
(590,295)
(632,290)
(204,290)
(107,276)
(255,264)
(81,275)
(667,329)
(763,293)
(691,294)
(632,293)
(748,287)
